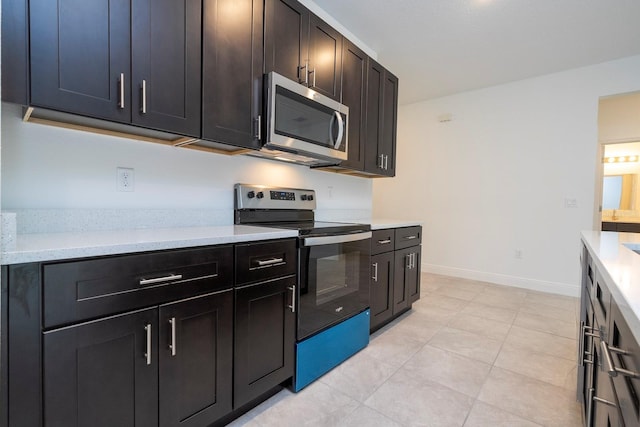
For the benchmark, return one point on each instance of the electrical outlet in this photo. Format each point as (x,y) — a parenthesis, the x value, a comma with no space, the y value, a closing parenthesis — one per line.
(518,254)
(124,179)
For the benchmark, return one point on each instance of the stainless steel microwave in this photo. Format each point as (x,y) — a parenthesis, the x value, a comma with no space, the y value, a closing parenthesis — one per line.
(303,122)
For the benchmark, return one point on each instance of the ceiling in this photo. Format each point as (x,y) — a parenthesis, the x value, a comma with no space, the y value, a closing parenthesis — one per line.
(442,47)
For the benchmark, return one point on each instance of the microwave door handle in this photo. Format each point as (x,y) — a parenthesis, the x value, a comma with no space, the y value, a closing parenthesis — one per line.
(340,130)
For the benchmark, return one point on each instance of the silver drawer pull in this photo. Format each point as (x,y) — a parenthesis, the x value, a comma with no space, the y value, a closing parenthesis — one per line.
(410,237)
(263,263)
(611,368)
(160,279)
(147,354)
(606,402)
(375,272)
(384,242)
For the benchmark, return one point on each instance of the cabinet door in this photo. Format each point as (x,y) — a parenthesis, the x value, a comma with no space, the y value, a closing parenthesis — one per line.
(604,407)
(406,283)
(389,122)
(232,71)
(325,58)
(354,96)
(413,275)
(375,79)
(80,57)
(402,280)
(103,373)
(381,288)
(625,356)
(382,111)
(166,65)
(286,42)
(264,338)
(196,360)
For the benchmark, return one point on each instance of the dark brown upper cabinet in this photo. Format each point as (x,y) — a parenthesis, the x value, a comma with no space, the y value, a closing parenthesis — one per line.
(381,122)
(286,39)
(302,47)
(129,61)
(354,96)
(232,72)
(325,58)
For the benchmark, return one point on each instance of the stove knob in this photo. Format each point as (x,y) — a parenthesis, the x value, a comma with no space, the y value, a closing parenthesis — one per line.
(310,197)
(260,195)
(303,197)
(251,194)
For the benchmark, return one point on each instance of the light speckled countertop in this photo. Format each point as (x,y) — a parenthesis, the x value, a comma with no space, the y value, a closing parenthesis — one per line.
(37,247)
(619,266)
(58,246)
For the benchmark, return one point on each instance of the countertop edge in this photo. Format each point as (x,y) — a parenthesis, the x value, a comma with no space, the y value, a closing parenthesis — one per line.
(42,247)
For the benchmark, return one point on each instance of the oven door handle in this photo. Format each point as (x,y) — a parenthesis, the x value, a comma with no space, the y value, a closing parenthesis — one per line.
(330,240)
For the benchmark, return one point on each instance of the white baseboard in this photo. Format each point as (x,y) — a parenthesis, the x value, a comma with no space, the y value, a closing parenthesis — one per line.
(503,279)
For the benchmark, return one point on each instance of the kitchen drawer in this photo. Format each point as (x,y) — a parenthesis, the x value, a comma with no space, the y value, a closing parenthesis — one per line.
(408,236)
(383,241)
(256,262)
(86,289)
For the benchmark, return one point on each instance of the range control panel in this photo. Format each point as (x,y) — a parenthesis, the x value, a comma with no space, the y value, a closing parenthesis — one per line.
(263,197)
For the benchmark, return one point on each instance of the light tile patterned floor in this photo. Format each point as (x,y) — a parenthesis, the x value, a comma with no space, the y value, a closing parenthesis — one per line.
(468,354)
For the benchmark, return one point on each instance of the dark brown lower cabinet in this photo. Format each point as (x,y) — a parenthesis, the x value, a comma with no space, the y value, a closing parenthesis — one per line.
(395,267)
(406,286)
(174,360)
(265,337)
(99,374)
(196,356)
(381,290)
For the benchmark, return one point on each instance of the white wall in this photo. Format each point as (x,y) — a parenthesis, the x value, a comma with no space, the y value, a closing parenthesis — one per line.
(45,167)
(494,179)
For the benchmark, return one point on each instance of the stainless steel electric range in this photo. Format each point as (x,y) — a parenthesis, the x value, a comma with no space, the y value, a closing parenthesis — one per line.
(332,301)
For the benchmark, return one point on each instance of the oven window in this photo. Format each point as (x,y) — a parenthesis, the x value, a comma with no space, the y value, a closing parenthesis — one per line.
(334,284)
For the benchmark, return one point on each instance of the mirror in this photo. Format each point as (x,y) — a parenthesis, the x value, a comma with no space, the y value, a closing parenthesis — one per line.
(618,192)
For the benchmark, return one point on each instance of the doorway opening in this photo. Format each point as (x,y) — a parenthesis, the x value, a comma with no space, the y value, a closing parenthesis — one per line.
(618,179)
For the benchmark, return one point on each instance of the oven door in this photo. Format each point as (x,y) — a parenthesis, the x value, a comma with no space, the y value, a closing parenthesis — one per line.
(334,280)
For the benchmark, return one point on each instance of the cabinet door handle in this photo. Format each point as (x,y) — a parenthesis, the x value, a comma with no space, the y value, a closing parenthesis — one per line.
(375,271)
(121,83)
(147,354)
(292,307)
(581,342)
(386,162)
(384,242)
(173,346)
(265,262)
(259,130)
(143,109)
(611,368)
(314,77)
(381,161)
(304,67)
(408,265)
(160,279)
